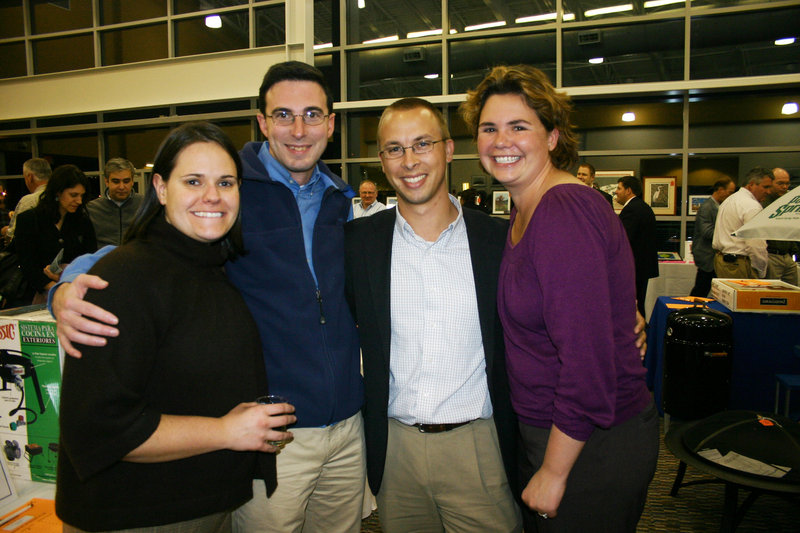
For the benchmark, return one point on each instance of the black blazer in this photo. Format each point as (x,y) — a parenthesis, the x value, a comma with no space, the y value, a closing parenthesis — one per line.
(640,225)
(368,251)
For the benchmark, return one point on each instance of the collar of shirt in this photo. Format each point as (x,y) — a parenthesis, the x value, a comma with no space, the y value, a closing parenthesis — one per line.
(404,229)
(119,204)
(280,173)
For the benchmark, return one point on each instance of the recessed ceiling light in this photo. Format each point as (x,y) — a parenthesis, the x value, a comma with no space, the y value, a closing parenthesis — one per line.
(628,117)
(596,60)
(213,21)
(362,4)
(789,108)
(431,76)
(784,41)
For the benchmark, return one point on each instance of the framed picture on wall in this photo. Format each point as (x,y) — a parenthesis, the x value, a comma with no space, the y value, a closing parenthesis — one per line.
(356,200)
(695,201)
(391,201)
(606,181)
(501,203)
(659,193)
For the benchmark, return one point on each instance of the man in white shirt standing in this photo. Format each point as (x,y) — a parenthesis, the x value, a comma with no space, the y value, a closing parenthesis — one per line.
(421,280)
(36,172)
(736,257)
(369,205)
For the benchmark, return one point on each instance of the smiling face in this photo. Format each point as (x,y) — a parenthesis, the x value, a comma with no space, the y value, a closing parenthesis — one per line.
(417,178)
(513,145)
(297,147)
(368,193)
(201,197)
(119,185)
(69,200)
(585,175)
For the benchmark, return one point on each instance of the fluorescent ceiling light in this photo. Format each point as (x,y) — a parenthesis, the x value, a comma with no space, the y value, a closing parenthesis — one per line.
(789,108)
(485,26)
(431,76)
(607,10)
(425,33)
(323,45)
(596,60)
(659,3)
(541,18)
(148,165)
(628,117)
(784,41)
(213,21)
(453,30)
(362,4)
(382,40)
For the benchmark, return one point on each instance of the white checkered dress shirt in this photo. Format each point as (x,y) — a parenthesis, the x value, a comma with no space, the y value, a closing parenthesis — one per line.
(438,367)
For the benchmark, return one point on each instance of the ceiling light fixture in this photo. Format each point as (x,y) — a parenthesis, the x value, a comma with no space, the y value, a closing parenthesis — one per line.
(596,60)
(382,40)
(362,4)
(485,26)
(789,108)
(323,45)
(608,10)
(213,21)
(784,41)
(659,3)
(431,76)
(424,33)
(628,117)
(536,18)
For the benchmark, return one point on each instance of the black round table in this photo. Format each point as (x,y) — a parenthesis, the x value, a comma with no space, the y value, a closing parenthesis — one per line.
(766,437)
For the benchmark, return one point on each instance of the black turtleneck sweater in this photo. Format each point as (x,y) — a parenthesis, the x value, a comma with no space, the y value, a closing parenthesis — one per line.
(187,346)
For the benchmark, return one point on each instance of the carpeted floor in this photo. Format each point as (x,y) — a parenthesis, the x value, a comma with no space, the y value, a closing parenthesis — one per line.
(696,509)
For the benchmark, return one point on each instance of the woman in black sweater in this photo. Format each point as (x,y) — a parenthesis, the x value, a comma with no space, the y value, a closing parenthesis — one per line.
(58,222)
(159,427)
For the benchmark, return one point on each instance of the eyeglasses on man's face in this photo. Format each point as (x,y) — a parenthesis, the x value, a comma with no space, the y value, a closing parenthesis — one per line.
(312,117)
(395,151)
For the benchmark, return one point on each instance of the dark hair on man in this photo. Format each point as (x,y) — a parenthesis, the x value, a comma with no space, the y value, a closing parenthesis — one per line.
(633,183)
(40,168)
(63,178)
(406,104)
(118,164)
(166,159)
(552,107)
(721,183)
(292,71)
(756,175)
(589,166)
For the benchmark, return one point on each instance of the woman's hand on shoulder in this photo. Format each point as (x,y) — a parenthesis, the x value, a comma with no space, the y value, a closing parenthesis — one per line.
(251,426)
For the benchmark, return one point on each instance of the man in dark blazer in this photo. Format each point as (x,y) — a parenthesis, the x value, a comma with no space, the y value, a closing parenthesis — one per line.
(640,225)
(415,149)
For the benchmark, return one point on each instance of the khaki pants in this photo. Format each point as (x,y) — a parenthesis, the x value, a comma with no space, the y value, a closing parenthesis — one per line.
(320,484)
(740,269)
(452,481)
(782,267)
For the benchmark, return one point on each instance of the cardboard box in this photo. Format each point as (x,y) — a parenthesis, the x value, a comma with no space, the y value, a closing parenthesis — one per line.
(757,295)
(30,368)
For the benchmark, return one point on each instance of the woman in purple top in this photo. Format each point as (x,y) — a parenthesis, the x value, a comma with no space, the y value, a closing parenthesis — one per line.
(567,302)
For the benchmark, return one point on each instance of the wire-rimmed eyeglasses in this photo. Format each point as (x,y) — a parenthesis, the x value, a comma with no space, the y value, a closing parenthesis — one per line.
(312,117)
(395,151)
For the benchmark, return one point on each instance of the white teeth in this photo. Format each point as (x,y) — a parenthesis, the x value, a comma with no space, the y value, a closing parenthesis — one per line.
(415,179)
(206,214)
(507,159)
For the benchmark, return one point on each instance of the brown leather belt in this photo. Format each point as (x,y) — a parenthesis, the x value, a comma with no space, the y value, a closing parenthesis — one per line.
(439,428)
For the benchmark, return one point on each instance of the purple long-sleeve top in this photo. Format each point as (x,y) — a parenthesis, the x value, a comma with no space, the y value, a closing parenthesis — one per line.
(567,301)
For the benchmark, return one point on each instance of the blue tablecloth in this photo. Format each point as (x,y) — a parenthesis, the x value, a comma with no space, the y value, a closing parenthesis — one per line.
(763,345)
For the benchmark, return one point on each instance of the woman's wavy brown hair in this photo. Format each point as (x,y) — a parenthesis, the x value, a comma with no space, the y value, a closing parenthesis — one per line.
(552,107)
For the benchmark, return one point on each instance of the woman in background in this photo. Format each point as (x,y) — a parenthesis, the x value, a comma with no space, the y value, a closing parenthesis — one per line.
(567,301)
(59,224)
(159,428)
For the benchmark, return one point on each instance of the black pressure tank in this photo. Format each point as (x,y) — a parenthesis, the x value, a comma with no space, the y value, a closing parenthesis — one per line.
(698,347)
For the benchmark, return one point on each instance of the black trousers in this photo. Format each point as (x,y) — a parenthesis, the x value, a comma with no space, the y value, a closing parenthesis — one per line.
(607,486)
(702,283)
